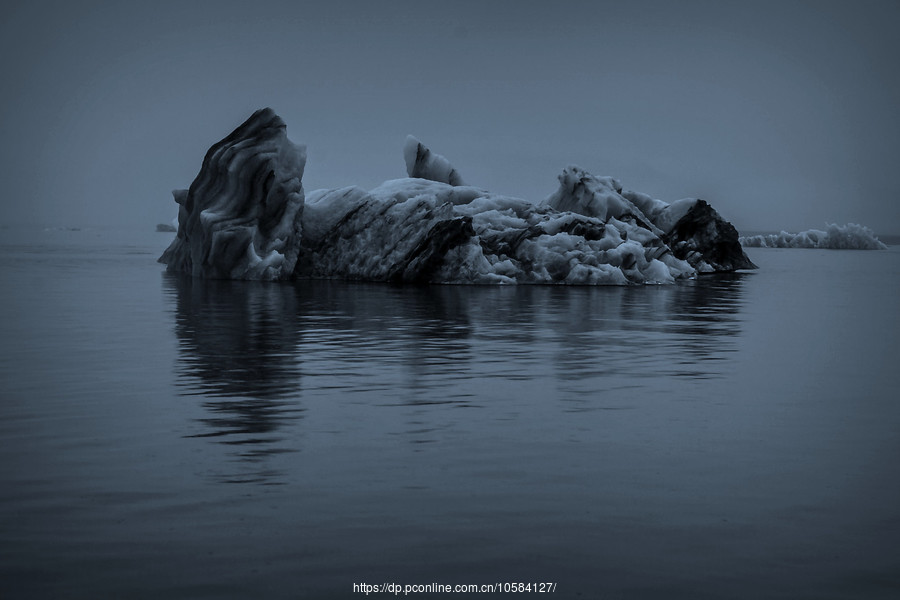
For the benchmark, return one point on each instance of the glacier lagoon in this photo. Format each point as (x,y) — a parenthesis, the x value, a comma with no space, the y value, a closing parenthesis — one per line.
(731,436)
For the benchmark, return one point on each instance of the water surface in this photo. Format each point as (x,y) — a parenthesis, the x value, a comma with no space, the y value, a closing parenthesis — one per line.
(731,437)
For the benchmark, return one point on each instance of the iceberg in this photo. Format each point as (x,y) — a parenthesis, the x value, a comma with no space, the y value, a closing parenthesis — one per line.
(246,216)
(837,237)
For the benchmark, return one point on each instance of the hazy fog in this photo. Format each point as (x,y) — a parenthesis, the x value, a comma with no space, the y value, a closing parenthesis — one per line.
(783,115)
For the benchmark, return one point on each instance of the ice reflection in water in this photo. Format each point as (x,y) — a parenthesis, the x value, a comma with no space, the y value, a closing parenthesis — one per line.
(236,345)
(611,340)
(257,353)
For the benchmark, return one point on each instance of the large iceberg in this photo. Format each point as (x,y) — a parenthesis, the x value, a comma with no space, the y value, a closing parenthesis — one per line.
(246,216)
(837,237)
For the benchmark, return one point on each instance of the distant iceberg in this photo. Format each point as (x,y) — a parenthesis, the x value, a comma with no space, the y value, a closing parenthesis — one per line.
(246,216)
(838,237)
(170,227)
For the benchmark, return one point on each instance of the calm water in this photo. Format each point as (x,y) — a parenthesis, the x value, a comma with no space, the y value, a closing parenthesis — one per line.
(733,437)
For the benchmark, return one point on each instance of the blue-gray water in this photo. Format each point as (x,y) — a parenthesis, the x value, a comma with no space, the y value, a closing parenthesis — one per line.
(733,437)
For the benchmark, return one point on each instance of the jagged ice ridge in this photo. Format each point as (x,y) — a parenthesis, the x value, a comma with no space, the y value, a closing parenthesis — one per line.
(246,216)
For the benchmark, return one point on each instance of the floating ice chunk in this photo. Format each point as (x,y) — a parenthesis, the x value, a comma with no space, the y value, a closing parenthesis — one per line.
(838,237)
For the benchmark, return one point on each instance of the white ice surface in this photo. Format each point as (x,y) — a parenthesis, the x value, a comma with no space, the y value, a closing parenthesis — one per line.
(368,235)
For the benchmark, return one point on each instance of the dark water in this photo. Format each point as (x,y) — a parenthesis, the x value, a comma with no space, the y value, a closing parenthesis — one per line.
(733,437)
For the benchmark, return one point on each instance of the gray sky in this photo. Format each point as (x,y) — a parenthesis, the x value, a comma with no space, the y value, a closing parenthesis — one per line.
(782,115)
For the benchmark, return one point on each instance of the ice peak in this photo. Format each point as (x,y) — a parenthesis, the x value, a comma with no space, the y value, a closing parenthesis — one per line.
(425,164)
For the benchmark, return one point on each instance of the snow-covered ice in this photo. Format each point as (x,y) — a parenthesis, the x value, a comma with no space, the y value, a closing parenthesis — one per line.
(245,216)
(837,237)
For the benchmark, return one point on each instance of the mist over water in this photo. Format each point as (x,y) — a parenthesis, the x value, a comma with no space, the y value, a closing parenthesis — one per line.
(733,436)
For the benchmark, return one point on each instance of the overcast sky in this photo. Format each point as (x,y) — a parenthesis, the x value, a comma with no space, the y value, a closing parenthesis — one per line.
(782,115)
